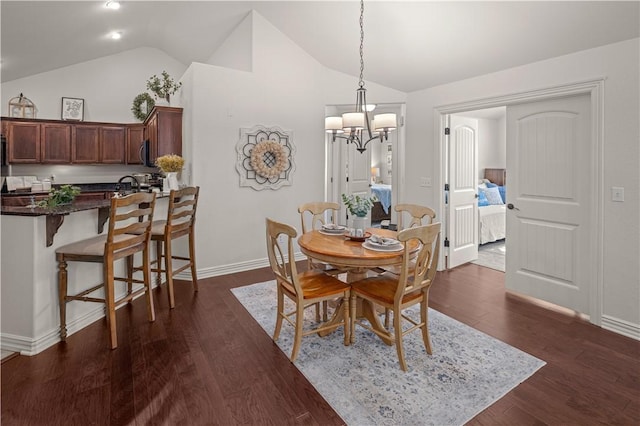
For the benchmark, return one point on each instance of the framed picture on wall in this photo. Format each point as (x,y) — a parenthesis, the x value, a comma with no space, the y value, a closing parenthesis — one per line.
(73,109)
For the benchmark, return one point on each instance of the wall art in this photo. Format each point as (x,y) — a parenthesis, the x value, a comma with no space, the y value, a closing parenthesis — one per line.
(265,157)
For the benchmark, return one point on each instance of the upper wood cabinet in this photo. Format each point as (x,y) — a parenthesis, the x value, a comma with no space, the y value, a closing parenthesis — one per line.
(112,149)
(85,144)
(163,130)
(63,142)
(23,139)
(135,139)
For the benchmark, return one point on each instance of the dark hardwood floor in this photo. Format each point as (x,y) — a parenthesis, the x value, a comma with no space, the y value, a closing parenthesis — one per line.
(208,362)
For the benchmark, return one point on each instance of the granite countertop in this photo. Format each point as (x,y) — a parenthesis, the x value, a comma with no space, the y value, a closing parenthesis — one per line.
(55,211)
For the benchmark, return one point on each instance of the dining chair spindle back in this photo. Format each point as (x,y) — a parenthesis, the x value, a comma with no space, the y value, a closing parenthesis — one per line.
(305,289)
(396,293)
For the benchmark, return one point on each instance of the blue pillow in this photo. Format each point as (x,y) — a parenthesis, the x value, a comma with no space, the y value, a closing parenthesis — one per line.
(482,199)
(491,185)
(493,196)
(503,193)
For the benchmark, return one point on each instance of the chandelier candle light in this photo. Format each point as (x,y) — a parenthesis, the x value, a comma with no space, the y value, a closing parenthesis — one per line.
(356,124)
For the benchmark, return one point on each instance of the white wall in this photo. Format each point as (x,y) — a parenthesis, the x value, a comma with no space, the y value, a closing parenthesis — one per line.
(619,64)
(492,152)
(288,89)
(108,86)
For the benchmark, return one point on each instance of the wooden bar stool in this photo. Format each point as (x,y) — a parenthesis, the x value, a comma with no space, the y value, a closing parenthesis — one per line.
(129,232)
(181,220)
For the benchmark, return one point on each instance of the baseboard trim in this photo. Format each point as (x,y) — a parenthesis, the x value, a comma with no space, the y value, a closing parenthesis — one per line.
(232,268)
(620,326)
(29,347)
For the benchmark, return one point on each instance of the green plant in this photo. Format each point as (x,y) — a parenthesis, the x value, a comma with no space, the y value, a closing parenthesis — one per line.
(163,87)
(63,195)
(358,205)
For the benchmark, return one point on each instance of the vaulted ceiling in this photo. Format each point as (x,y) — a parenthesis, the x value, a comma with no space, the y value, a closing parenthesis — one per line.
(408,45)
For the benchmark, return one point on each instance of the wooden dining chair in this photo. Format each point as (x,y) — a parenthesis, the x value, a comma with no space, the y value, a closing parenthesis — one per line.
(420,215)
(397,293)
(312,217)
(180,222)
(129,232)
(305,289)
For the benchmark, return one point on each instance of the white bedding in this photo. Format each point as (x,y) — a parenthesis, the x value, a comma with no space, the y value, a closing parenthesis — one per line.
(492,226)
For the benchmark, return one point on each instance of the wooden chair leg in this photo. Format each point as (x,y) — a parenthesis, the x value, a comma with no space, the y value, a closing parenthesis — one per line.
(158,262)
(347,322)
(424,318)
(130,276)
(279,314)
(386,318)
(109,298)
(169,271)
(62,296)
(325,316)
(192,259)
(352,306)
(397,331)
(297,339)
(146,271)
(318,312)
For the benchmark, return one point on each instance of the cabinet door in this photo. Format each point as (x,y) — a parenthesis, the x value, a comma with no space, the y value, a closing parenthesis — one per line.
(56,143)
(169,132)
(24,142)
(151,133)
(85,144)
(135,137)
(113,143)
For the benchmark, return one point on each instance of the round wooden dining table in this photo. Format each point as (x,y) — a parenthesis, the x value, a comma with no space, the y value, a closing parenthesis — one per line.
(341,251)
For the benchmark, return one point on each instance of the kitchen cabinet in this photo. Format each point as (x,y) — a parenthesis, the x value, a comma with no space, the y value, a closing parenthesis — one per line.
(112,144)
(163,130)
(135,139)
(38,141)
(55,144)
(85,144)
(23,139)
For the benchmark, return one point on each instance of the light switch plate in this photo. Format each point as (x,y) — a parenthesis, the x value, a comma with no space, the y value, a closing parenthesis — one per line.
(617,193)
(425,181)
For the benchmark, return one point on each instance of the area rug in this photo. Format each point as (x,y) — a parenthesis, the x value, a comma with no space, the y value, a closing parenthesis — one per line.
(467,372)
(492,255)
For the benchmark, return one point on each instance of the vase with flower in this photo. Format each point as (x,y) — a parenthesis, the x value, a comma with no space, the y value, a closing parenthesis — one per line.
(359,207)
(170,165)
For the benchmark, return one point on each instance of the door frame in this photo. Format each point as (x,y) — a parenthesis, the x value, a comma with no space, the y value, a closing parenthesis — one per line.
(594,88)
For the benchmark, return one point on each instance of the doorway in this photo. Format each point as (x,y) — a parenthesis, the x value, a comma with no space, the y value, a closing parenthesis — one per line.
(590,263)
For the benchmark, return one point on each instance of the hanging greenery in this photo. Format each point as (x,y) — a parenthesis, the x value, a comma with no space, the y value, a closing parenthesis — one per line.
(142,106)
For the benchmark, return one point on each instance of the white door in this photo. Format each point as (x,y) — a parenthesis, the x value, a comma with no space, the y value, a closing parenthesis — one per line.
(356,175)
(548,158)
(462,220)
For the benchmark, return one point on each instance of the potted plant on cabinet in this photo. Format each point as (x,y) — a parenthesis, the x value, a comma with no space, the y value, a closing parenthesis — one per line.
(163,87)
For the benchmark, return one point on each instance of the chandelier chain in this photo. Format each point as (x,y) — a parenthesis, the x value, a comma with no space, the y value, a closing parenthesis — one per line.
(361,82)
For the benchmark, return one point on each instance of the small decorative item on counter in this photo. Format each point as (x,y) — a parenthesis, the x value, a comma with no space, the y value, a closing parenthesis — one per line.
(170,163)
(163,87)
(60,196)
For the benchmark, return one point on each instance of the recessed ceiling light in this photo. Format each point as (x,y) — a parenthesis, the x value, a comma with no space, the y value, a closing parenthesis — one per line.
(113,4)
(116,35)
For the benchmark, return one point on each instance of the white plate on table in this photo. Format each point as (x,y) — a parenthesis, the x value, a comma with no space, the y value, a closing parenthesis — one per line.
(382,247)
(333,229)
(333,233)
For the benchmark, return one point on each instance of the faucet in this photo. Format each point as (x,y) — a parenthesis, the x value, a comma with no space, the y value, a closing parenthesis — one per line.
(135,185)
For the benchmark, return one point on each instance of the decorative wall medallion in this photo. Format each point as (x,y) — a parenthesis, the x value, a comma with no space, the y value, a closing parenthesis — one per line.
(265,157)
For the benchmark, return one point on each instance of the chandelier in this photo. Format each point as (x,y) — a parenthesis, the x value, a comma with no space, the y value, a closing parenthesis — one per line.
(355,126)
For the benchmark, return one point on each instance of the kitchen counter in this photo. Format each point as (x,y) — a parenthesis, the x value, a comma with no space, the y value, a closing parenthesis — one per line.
(29,311)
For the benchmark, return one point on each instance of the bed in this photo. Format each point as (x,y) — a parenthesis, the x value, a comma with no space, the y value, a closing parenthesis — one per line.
(381,209)
(491,207)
